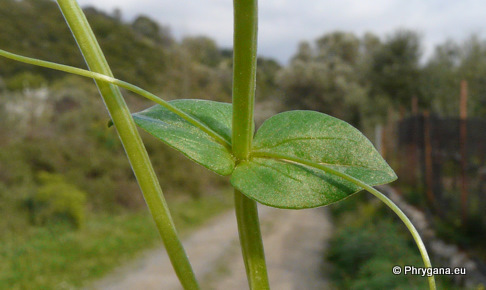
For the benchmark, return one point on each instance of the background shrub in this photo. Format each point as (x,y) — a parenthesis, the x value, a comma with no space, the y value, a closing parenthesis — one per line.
(56,200)
(368,242)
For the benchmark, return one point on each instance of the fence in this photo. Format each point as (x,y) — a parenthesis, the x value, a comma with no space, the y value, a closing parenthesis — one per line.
(445,159)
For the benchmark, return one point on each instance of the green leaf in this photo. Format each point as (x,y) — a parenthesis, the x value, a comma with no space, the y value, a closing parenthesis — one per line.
(189,139)
(270,178)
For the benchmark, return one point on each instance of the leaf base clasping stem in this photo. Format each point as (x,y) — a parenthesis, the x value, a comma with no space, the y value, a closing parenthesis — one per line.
(244,78)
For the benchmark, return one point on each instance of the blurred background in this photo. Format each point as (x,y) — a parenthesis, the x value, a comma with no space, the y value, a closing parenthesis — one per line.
(410,75)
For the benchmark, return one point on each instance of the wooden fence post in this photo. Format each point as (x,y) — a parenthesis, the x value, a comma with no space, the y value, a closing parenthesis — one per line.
(429,174)
(415,139)
(414,105)
(463,149)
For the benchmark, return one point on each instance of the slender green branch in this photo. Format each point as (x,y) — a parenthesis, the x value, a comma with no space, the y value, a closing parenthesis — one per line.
(244,78)
(135,89)
(131,141)
(381,196)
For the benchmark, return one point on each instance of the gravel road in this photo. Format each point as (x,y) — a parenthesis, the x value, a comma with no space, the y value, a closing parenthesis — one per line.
(294,241)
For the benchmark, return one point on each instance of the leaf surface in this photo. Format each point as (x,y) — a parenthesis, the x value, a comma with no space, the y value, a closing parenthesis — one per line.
(317,138)
(189,139)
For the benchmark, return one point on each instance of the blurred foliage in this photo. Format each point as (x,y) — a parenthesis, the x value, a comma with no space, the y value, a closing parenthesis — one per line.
(468,235)
(75,142)
(326,77)
(451,63)
(142,52)
(134,57)
(352,78)
(395,72)
(152,30)
(57,124)
(56,257)
(368,242)
(267,87)
(25,80)
(365,79)
(57,201)
(202,49)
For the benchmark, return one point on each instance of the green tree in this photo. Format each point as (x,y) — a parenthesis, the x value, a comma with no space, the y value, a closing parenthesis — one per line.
(202,49)
(451,63)
(440,82)
(326,77)
(473,70)
(152,30)
(266,82)
(395,69)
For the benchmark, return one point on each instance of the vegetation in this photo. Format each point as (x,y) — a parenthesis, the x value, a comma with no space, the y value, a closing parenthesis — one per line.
(56,257)
(54,123)
(367,244)
(57,124)
(341,68)
(57,200)
(360,79)
(325,158)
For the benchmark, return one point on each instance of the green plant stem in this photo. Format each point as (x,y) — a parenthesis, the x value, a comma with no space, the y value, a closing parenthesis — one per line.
(244,78)
(244,74)
(381,196)
(131,141)
(108,79)
(251,241)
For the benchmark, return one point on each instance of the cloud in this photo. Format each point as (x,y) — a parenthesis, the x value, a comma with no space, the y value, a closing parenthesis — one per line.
(284,23)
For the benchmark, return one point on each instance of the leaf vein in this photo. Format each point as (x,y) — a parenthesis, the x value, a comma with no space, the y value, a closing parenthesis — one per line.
(308,138)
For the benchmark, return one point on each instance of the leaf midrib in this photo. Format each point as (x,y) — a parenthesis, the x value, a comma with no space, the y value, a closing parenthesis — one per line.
(270,155)
(320,166)
(181,126)
(301,139)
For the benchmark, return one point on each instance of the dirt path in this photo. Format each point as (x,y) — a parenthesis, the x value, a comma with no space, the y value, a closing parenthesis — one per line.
(294,245)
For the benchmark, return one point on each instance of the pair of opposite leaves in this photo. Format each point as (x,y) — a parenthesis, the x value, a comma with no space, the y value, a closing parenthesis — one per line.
(273,176)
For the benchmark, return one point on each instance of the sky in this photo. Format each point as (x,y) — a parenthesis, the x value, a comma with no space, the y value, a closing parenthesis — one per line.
(283,24)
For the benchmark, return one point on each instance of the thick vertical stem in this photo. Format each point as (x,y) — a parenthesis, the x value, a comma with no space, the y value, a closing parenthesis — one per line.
(251,242)
(244,77)
(131,141)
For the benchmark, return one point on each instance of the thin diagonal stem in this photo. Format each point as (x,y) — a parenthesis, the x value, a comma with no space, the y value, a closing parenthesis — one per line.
(120,83)
(131,141)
